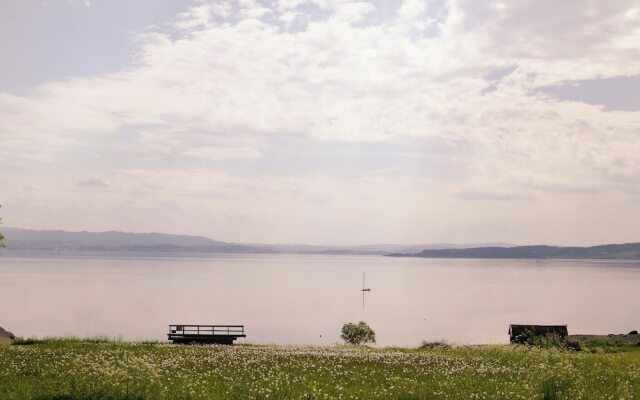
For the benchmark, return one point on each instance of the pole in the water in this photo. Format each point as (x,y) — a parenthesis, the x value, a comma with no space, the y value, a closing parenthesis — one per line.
(364,290)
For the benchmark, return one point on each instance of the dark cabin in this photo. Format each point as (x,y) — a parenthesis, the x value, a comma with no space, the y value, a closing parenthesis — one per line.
(519,333)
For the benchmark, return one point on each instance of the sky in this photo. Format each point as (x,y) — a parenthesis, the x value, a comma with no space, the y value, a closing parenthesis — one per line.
(324,121)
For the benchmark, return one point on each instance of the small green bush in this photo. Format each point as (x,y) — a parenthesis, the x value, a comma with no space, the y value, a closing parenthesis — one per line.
(358,334)
(28,341)
(436,344)
(550,341)
(63,340)
(603,345)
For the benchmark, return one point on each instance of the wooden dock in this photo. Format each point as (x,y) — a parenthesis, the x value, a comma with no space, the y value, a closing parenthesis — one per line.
(218,334)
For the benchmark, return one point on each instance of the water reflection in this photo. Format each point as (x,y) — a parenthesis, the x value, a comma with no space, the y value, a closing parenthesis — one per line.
(306,299)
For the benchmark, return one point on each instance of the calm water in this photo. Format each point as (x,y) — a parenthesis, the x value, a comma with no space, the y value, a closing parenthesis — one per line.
(306,299)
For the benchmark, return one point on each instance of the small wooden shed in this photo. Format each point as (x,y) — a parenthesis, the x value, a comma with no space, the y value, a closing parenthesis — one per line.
(6,337)
(519,333)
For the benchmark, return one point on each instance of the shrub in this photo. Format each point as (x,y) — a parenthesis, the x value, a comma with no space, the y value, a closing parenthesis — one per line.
(65,340)
(603,345)
(358,334)
(550,341)
(436,344)
(28,341)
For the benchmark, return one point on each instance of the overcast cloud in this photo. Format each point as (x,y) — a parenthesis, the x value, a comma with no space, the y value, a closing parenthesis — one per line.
(328,121)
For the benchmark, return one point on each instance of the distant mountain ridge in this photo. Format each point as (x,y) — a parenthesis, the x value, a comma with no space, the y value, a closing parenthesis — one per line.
(26,240)
(626,251)
(58,240)
(29,240)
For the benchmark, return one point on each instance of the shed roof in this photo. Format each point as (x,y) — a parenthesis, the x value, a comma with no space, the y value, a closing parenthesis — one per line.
(8,334)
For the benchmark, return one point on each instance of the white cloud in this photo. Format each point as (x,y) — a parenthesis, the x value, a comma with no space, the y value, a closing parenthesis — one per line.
(289,4)
(224,153)
(92,182)
(235,78)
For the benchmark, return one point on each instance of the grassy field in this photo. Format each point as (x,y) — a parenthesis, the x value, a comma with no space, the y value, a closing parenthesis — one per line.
(85,369)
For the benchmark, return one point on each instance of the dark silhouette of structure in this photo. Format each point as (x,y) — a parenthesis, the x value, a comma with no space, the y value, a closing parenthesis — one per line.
(520,333)
(212,334)
(6,337)
(364,290)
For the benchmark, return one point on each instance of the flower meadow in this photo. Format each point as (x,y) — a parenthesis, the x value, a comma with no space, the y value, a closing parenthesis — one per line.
(78,369)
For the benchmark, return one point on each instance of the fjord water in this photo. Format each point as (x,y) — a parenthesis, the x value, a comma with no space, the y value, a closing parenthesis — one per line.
(305,299)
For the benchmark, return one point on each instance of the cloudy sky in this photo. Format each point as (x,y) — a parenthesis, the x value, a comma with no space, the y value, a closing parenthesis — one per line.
(324,121)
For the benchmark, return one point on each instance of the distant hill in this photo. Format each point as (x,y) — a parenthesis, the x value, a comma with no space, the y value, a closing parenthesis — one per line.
(627,251)
(373,249)
(55,240)
(29,240)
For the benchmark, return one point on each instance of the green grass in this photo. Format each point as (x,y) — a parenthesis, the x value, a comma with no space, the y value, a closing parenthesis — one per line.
(55,369)
(608,345)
